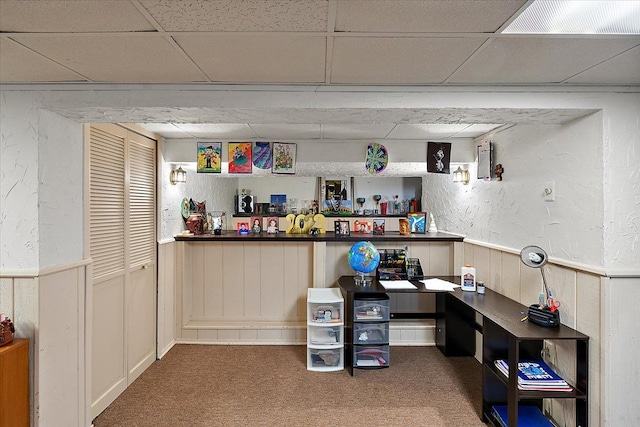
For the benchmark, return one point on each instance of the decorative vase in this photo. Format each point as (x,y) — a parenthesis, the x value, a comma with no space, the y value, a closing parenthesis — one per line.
(195,223)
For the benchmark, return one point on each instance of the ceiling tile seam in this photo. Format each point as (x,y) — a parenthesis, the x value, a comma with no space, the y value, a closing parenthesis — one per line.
(513,17)
(186,56)
(257,135)
(147,16)
(475,53)
(599,63)
(87,79)
(395,125)
(332,12)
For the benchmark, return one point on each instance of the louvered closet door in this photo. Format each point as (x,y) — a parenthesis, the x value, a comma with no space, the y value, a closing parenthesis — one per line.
(122,245)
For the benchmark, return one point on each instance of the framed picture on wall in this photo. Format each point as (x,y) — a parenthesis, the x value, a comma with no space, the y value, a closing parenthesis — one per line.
(284,157)
(209,157)
(240,157)
(336,195)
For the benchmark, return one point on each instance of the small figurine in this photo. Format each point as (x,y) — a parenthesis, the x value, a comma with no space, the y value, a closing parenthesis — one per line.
(498,171)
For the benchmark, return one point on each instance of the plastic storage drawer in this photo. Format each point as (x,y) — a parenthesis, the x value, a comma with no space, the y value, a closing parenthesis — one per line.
(370,310)
(329,358)
(325,335)
(371,333)
(370,356)
(325,313)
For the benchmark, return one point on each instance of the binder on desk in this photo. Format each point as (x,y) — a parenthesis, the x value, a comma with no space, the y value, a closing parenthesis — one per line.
(535,375)
(528,416)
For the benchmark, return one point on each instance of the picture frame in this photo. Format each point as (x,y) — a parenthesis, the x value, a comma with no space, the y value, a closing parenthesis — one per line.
(256,225)
(336,195)
(485,160)
(341,228)
(209,157)
(242,227)
(272,224)
(378,226)
(403,226)
(362,227)
(240,160)
(417,222)
(284,158)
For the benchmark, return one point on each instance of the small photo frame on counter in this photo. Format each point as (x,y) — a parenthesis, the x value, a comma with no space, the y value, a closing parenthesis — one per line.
(341,228)
(378,226)
(271,224)
(242,227)
(403,226)
(417,222)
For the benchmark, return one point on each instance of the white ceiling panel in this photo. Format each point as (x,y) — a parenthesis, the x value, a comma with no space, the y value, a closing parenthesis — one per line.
(20,64)
(234,15)
(404,131)
(356,131)
(424,16)
(70,16)
(273,132)
(110,58)
(258,59)
(623,69)
(474,131)
(397,60)
(538,60)
(222,131)
(167,130)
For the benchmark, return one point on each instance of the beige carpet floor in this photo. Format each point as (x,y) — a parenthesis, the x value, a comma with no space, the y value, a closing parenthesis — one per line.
(202,385)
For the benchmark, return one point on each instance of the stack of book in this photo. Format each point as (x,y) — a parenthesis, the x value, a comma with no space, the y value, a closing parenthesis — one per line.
(535,375)
(528,416)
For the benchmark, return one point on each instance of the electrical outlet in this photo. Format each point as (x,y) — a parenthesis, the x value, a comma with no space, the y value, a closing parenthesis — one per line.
(550,351)
(550,191)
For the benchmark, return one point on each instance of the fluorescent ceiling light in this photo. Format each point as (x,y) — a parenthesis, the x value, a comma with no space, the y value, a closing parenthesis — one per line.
(578,17)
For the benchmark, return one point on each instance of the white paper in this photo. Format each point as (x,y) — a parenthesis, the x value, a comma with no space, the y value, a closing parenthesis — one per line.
(439,285)
(397,284)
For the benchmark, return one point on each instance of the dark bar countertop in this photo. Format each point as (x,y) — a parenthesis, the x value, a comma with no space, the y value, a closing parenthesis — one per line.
(231,235)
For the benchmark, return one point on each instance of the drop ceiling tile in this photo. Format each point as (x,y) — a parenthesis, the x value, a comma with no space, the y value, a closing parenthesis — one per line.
(136,58)
(623,69)
(167,130)
(389,60)
(71,16)
(476,130)
(515,60)
(20,64)
(283,132)
(420,16)
(426,131)
(223,131)
(356,131)
(257,58)
(234,15)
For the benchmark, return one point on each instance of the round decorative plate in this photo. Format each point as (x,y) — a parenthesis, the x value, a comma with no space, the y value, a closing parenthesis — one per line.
(377,158)
(185,209)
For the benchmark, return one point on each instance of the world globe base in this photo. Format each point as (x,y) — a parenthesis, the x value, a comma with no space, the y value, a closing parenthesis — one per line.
(361,280)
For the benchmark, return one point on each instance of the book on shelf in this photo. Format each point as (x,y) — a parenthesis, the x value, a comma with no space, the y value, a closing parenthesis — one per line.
(528,416)
(535,375)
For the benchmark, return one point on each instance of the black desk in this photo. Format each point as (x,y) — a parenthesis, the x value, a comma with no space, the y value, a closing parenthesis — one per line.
(505,336)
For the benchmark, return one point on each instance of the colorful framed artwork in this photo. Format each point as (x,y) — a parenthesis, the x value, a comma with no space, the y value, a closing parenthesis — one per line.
(209,157)
(240,157)
(262,155)
(272,224)
(242,227)
(417,222)
(376,159)
(336,195)
(284,157)
(378,226)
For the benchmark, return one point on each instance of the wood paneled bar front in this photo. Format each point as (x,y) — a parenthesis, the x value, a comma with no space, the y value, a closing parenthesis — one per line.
(252,288)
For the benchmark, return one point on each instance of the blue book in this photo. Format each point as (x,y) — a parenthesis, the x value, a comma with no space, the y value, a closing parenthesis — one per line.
(528,416)
(532,372)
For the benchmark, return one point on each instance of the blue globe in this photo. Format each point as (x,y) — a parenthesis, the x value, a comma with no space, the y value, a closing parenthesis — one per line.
(363,257)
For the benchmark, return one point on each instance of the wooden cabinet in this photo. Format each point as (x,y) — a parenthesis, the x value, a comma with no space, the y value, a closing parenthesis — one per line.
(14,383)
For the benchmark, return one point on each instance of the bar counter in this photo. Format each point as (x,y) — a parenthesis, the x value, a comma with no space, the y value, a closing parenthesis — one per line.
(328,237)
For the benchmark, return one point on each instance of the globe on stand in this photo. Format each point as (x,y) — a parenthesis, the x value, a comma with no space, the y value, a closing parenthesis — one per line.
(363,259)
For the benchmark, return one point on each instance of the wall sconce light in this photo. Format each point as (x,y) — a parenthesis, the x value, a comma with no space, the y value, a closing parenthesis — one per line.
(178,175)
(461,176)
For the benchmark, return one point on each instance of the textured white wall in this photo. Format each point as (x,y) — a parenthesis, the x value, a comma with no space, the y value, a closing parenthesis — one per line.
(513,212)
(19,223)
(61,190)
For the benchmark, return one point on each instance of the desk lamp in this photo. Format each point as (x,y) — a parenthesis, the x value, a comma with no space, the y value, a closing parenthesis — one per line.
(541,314)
